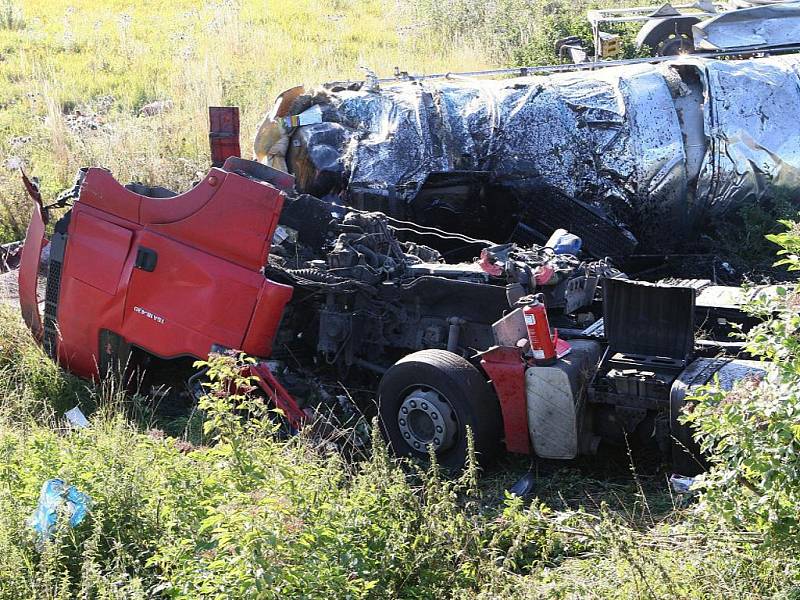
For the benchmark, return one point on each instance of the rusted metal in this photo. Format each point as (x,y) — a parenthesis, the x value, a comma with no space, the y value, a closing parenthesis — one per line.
(223,133)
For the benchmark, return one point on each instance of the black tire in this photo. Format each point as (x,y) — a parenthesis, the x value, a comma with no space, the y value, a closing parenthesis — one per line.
(687,458)
(668,37)
(451,381)
(675,44)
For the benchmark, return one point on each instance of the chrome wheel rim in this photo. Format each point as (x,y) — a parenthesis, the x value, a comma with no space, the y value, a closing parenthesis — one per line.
(425,418)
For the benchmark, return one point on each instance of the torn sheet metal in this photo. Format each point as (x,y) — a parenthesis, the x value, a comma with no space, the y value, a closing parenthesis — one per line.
(654,148)
(754,149)
(607,135)
(770,25)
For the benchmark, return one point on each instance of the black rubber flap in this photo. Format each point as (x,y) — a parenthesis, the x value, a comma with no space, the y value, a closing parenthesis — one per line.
(648,319)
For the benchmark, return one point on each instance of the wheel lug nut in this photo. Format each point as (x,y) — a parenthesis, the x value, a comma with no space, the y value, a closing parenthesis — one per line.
(404,410)
(413,404)
(416,445)
(406,435)
(434,416)
(424,406)
(436,441)
(402,422)
(438,429)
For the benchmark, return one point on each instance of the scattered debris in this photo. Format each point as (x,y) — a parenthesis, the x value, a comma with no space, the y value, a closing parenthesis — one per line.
(157,107)
(524,487)
(308,117)
(563,242)
(681,484)
(76,418)
(56,496)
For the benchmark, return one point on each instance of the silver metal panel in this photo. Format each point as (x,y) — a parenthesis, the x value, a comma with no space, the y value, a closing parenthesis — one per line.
(770,25)
(655,146)
(751,123)
(510,329)
(609,137)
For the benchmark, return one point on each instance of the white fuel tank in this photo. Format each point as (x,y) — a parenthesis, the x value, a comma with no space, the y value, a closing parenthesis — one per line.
(556,396)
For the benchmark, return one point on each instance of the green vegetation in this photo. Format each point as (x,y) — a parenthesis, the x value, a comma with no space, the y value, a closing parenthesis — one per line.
(76,76)
(517,32)
(230,508)
(242,512)
(754,432)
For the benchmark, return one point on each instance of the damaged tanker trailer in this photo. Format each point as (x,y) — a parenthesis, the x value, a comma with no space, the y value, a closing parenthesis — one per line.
(325,297)
(623,155)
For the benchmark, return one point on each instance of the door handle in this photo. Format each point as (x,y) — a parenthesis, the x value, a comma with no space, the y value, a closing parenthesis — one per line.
(146,259)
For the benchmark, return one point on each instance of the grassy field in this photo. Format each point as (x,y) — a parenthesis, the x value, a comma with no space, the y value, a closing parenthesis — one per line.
(232,510)
(237,512)
(77,74)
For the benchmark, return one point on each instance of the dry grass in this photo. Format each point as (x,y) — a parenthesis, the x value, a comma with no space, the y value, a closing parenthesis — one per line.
(77,73)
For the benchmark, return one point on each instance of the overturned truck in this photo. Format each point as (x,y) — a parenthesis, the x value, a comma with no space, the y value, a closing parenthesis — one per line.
(638,155)
(325,296)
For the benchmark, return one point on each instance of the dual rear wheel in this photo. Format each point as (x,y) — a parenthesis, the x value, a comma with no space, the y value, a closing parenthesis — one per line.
(430,400)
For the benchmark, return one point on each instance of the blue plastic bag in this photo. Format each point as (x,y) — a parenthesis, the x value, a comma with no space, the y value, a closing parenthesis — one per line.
(55,494)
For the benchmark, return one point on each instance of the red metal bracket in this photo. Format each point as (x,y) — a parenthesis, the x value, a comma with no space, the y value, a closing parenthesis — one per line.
(282,399)
(506,369)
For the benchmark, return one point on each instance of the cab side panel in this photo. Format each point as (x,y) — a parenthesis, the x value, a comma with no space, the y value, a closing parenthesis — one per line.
(92,286)
(189,301)
(172,276)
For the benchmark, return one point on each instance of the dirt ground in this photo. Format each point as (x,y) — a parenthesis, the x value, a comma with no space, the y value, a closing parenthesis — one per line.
(9,288)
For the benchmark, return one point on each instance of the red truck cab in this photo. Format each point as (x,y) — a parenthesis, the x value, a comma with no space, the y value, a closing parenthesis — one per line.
(115,252)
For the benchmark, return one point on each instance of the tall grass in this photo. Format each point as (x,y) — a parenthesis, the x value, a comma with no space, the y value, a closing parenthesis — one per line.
(516,32)
(77,75)
(236,514)
(249,514)
(11,15)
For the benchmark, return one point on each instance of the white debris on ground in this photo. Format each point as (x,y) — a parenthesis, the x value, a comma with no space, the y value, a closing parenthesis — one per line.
(9,288)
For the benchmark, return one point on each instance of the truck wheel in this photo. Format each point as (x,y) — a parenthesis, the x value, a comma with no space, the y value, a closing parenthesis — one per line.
(674,44)
(430,398)
(669,36)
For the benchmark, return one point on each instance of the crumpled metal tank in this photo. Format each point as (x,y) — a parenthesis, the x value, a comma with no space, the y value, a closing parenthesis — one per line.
(750,25)
(656,148)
